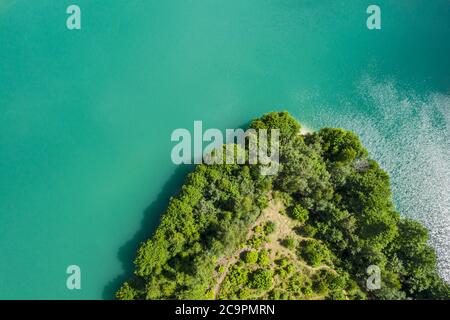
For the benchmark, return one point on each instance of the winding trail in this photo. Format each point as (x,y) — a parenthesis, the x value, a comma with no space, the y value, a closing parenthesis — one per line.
(284,228)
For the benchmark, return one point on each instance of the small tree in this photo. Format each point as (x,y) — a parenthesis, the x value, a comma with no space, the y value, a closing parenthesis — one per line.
(289,243)
(261,279)
(314,252)
(251,256)
(270,227)
(263,259)
(126,292)
(300,214)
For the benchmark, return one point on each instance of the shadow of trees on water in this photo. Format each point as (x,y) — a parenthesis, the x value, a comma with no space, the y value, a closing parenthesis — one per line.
(149,222)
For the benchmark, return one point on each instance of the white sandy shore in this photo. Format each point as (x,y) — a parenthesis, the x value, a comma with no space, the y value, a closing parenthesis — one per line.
(305,130)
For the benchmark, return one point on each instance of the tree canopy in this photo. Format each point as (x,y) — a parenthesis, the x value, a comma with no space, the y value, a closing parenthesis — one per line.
(339,199)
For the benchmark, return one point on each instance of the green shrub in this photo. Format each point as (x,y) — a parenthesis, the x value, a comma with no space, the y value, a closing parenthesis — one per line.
(126,292)
(300,214)
(258,229)
(284,197)
(308,231)
(251,256)
(289,243)
(256,241)
(261,279)
(282,262)
(351,212)
(314,252)
(263,258)
(270,227)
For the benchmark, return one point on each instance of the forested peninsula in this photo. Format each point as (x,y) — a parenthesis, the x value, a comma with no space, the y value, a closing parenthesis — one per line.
(312,231)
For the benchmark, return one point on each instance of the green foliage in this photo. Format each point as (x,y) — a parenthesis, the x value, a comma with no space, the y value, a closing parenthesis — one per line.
(209,218)
(238,276)
(258,229)
(283,121)
(285,268)
(282,262)
(263,258)
(289,243)
(303,174)
(326,281)
(340,145)
(251,256)
(299,213)
(269,228)
(339,197)
(261,279)
(284,197)
(314,252)
(257,241)
(308,230)
(126,292)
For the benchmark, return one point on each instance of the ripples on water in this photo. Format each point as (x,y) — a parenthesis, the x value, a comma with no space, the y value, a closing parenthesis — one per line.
(408,134)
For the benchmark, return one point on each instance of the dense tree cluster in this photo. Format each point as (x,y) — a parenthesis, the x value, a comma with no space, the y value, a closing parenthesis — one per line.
(330,186)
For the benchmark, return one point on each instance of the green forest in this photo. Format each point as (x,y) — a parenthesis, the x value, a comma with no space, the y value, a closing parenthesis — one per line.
(309,232)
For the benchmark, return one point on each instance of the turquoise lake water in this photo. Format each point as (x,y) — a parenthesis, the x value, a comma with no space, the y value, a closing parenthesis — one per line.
(86,115)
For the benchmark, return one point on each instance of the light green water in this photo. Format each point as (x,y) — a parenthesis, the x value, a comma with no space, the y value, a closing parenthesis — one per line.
(86,116)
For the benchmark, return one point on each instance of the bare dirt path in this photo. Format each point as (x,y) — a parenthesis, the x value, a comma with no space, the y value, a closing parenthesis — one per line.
(284,228)
(226,262)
